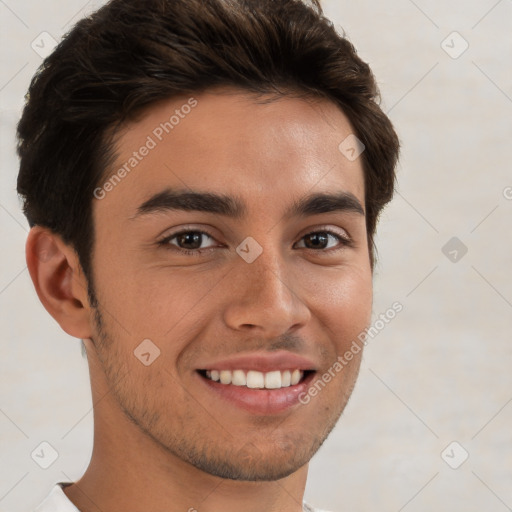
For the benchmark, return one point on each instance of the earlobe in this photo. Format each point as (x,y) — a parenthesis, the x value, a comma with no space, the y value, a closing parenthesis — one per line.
(59,281)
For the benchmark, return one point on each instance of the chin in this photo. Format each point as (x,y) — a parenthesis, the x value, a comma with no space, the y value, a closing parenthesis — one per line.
(244,470)
(258,464)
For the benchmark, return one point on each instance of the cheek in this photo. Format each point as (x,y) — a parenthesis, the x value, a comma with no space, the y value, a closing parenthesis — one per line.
(344,305)
(169,302)
(147,302)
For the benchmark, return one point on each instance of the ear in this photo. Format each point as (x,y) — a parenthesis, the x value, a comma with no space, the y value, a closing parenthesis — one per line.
(59,281)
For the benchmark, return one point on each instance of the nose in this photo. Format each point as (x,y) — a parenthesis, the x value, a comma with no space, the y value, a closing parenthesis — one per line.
(265,298)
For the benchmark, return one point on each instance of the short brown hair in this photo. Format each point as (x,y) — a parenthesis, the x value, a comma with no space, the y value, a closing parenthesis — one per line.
(132,53)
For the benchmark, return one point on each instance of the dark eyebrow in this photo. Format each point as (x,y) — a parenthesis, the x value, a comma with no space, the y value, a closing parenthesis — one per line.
(315,204)
(209,202)
(233,207)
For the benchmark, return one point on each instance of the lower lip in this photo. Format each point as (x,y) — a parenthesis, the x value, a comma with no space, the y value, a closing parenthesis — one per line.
(259,401)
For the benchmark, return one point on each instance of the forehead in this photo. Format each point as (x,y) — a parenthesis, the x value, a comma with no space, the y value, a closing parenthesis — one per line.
(229,142)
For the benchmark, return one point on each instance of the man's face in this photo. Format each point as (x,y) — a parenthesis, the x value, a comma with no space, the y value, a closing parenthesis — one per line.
(258,296)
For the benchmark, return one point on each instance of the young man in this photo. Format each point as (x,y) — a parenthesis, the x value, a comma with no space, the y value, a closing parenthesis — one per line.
(203,179)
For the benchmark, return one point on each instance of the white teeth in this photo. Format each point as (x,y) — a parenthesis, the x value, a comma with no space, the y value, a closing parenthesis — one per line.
(273,380)
(225,377)
(257,380)
(239,378)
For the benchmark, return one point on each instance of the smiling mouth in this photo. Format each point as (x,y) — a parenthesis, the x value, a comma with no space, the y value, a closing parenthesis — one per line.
(276,379)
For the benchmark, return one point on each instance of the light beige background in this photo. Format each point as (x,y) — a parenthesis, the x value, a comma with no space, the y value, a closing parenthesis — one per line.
(437,373)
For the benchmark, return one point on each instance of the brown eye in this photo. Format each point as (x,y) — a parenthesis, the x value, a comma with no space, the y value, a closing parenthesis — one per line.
(187,242)
(191,240)
(319,240)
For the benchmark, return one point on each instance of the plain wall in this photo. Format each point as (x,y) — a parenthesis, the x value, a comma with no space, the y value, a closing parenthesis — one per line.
(439,372)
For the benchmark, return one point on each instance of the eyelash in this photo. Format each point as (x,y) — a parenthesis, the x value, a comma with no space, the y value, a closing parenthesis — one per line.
(345,241)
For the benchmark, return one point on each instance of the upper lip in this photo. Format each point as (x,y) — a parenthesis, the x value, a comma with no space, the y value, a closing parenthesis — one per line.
(262,361)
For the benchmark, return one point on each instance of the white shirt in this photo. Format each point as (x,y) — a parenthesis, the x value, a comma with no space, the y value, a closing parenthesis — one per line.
(57,501)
